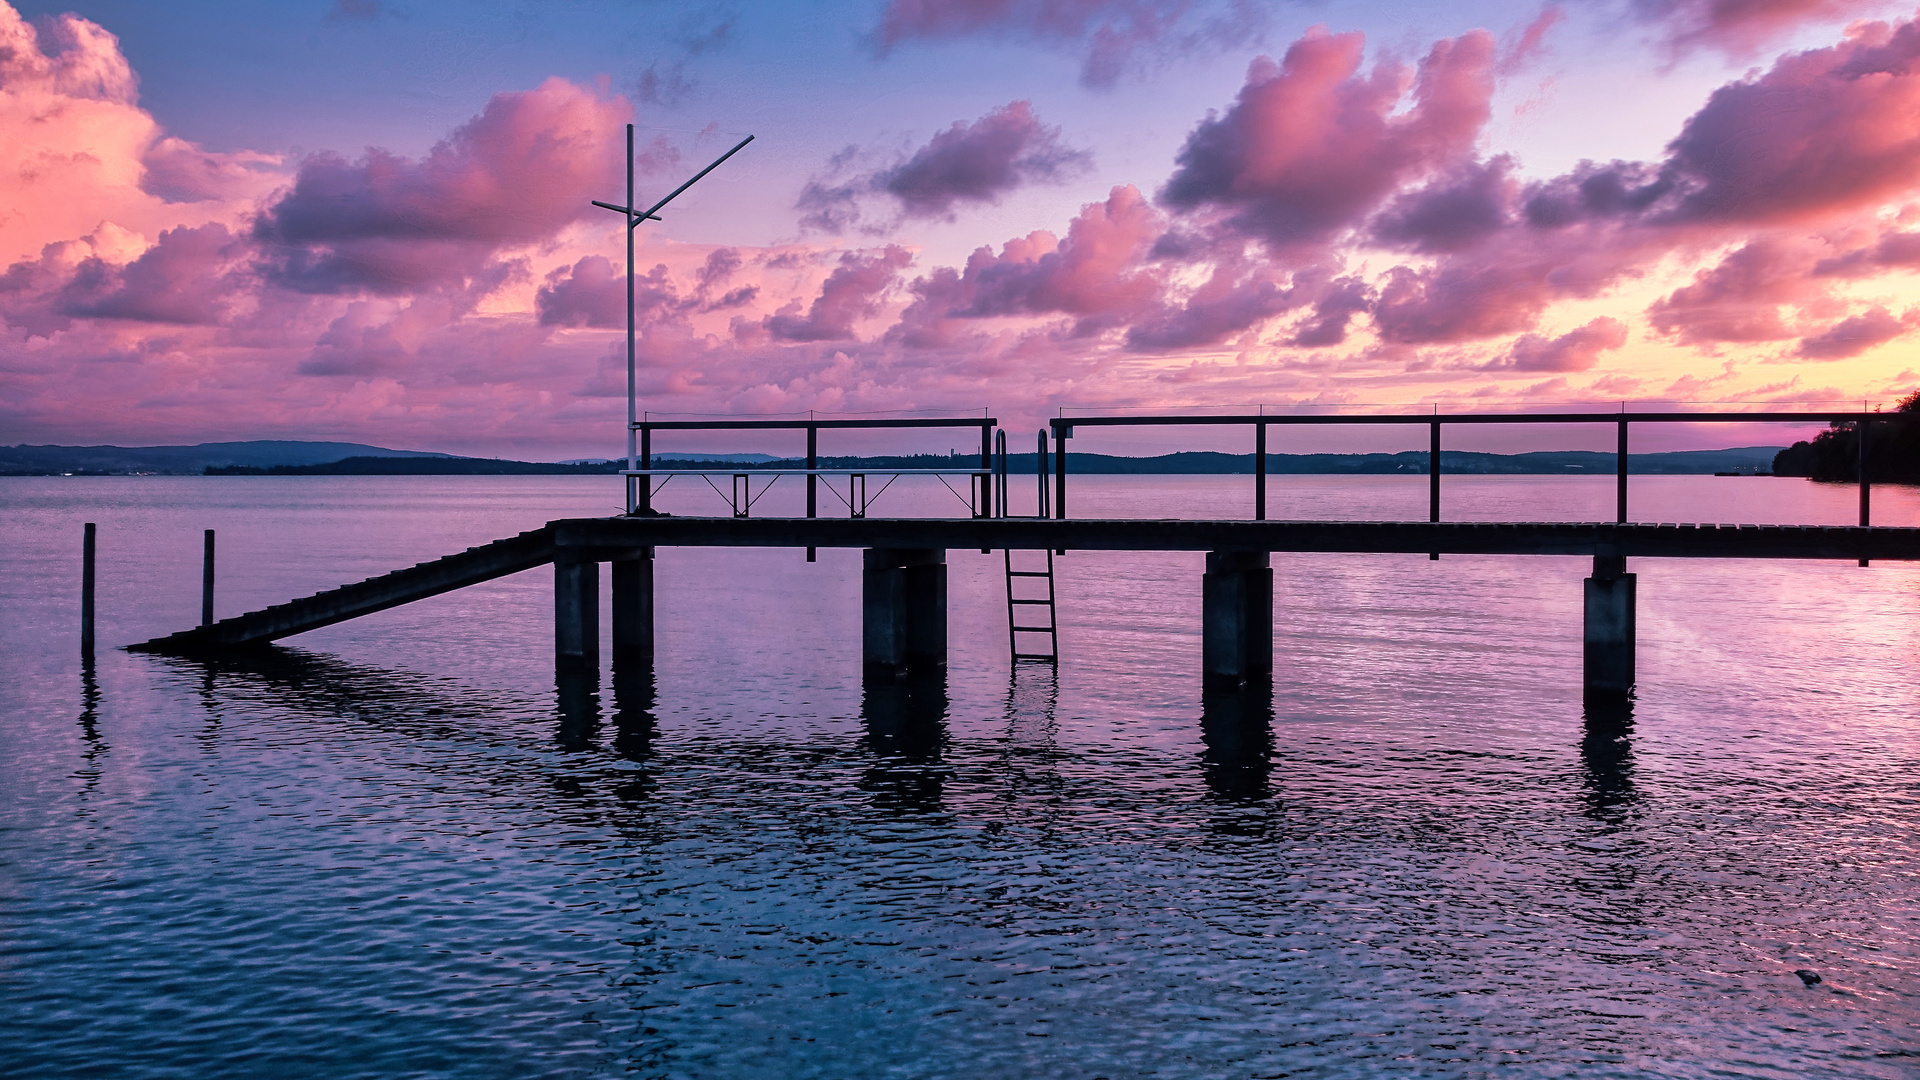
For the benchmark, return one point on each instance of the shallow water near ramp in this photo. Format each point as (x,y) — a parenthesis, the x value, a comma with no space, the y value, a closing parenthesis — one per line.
(397,848)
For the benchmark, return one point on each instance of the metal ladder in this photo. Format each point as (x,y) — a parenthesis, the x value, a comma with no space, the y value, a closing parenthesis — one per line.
(1016,603)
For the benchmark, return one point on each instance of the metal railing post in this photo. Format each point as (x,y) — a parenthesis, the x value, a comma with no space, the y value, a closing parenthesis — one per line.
(1000,471)
(986,468)
(1260,472)
(1060,472)
(1433,472)
(1866,482)
(1042,508)
(1620,467)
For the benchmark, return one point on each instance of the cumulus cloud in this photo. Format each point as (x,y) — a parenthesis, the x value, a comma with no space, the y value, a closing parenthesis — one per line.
(970,162)
(1312,144)
(1095,274)
(1112,37)
(76,149)
(183,279)
(1741,298)
(1851,337)
(1576,350)
(1737,27)
(528,165)
(851,293)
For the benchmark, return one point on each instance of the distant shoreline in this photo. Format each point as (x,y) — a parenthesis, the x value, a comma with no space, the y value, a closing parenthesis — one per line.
(1747,461)
(353,459)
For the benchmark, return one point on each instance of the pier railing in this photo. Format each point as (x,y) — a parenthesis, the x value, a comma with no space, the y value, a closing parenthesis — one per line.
(640,489)
(1062,428)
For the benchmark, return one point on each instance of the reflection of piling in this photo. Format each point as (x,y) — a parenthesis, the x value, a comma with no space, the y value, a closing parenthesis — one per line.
(906,729)
(1236,733)
(577,693)
(1606,752)
(635,726)
(206,584)
(86,591)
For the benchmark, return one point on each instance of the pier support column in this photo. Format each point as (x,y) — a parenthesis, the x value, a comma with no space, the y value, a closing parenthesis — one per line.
(576,614)
(1236,617)
(903,610)
(1609,632)
(633,608)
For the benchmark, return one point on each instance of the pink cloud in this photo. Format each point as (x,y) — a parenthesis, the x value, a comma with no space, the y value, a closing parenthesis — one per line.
(1095,274)
(178,171)
(524,168)
(981,161)
(851,293)
(970,162)
(187,278)
(1740,298)
(1311,145)
(1737,27)
(1823,131)
(1113,37)
(1851,337)
(1576,350)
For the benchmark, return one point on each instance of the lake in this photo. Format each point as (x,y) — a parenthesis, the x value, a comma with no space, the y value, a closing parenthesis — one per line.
(395,848)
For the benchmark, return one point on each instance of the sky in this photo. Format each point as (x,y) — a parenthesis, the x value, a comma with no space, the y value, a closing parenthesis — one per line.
(371,220)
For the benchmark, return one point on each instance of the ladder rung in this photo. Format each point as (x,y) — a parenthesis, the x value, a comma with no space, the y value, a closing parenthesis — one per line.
(1033,629)
(1029,573)
(1048,603)
(1044,657)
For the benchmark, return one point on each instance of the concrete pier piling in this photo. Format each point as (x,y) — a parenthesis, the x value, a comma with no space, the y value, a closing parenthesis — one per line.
(1236,617)
(633,608)
(903,610)
(576,614)
(1609,628)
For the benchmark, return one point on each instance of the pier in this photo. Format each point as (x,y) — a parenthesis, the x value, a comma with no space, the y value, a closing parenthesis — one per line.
(904,572)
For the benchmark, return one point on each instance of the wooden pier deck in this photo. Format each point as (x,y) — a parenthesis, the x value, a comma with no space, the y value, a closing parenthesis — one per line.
(592,540)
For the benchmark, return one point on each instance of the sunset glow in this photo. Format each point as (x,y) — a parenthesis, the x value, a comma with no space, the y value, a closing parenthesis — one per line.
(951,204)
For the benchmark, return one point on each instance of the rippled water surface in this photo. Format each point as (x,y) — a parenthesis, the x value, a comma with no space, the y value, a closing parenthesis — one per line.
(397,848)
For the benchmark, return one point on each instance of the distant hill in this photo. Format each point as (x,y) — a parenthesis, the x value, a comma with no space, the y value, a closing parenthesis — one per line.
(1552,463)
(183,460)
(435,466)
(284,458)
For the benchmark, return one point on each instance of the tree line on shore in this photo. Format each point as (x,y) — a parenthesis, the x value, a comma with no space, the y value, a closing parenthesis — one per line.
(1893,449)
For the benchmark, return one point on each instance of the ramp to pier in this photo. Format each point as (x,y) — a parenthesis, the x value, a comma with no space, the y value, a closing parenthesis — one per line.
(417,582)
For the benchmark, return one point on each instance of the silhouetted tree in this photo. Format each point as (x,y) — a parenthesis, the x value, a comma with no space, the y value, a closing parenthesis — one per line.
(1893,449)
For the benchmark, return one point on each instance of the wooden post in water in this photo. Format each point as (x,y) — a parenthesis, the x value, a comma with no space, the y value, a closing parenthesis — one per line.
(206,584)
(1236,617)
(86,591)
(1608,632)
